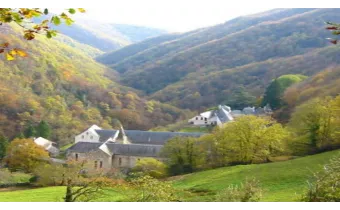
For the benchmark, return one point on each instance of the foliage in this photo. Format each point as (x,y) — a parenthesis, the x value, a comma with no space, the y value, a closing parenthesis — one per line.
(43,130)
(250,191)
(316,124)
(240,99)
(24,155)
(249,139)
(182,154)
(325,186)
(199,69)
(57,86)
(3,146)
(30,132)
(276,89)
(151,167)
(148,189)
(335,29)
(7,177)
(23,17)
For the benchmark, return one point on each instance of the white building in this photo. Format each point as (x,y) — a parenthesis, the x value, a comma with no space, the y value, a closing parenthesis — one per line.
(47,145)
(213,117)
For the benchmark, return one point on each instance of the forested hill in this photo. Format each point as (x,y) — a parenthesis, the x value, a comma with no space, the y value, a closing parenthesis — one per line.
(205,66)
(106,36)
(64,86)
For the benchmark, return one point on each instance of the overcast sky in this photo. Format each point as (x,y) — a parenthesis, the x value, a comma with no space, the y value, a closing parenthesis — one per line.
(172,15)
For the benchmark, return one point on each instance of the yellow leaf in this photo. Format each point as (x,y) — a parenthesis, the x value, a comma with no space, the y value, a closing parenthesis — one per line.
(9,57)
(21,52)
(81,10)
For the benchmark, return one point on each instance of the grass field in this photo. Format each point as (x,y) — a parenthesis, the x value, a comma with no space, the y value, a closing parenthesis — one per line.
(281,181)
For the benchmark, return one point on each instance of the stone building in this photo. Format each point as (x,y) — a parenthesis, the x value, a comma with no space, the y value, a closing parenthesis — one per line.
(107,149)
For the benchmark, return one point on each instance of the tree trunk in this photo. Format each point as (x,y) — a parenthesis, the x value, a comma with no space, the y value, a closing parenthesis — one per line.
(68,197)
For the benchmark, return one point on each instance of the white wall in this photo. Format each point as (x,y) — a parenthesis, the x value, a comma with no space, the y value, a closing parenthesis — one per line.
(199,120)
(87,136)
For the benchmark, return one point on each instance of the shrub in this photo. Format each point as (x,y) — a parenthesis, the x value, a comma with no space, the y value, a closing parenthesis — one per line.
(248,192)
(151,167)
(326,184)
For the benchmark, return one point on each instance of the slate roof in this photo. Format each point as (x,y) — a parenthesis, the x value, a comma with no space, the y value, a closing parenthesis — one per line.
(119,149)
(105,134)
(223,115)
(134,149)
(155,138)
(83,147)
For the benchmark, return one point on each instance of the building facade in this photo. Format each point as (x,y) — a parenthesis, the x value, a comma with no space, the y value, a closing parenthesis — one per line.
(111,149)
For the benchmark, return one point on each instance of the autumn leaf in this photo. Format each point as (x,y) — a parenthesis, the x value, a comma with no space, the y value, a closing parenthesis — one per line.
(9,57)
(5,45)
(20,52)
(81,10)
(2,50)
(29,36)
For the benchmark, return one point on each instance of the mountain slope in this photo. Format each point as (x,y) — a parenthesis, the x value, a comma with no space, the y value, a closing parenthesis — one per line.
(106,36)
(204,65)
(67,88)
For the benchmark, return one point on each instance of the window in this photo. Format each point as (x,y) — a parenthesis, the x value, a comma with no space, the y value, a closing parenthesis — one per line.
(196,118)
(82,136)
(201,118)
(76,157)
(205,122)
(101,164)
(91,137)
(205,119)
(95,164)
(87,133)
(120,161)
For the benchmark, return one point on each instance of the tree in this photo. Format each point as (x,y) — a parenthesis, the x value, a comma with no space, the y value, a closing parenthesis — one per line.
(249,139)
(30,131)
(81,185)
(250,191)
(3,146)
(314,125)
(274,92)
(240,98)
(25,155)
(24,18)
(182,155)
(325,185)
(151,167)
(148,189)
(43,130)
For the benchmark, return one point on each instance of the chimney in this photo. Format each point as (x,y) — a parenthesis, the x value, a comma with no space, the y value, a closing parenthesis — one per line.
(125,139)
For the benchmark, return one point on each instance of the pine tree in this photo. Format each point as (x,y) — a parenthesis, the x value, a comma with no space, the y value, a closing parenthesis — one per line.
(30,132)
(43,130)
(3,146)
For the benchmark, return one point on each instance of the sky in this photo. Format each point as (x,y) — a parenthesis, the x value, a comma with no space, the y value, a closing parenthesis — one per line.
(171,15)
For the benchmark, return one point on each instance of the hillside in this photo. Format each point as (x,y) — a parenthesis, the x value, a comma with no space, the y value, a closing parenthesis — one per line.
(106,36)
(65,87)
(324,83)
(204,66)
(281,181)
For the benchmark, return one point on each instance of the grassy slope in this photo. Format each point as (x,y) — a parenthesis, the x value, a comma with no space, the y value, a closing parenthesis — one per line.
(281,181)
